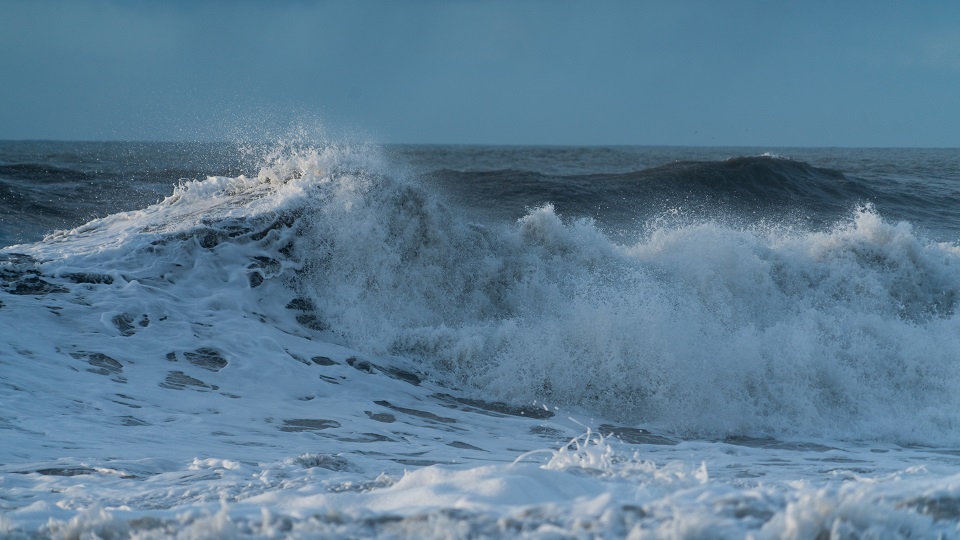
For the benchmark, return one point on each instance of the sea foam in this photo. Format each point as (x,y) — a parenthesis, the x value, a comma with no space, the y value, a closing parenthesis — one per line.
(328,348)
(700,327)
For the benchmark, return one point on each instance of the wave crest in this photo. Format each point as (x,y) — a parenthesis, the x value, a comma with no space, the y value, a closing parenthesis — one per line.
(697,326)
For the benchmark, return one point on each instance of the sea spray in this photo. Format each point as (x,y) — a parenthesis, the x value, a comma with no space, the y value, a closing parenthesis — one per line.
(190,368)
(716,330)
(703,328)
(699,327)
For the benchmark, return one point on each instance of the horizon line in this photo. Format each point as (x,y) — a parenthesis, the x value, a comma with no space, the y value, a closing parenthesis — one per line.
(473,144)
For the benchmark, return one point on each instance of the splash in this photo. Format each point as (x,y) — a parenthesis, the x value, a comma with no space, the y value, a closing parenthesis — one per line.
(700,327)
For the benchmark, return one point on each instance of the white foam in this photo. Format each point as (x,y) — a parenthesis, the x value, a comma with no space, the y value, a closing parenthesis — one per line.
(192,394)
(704,328)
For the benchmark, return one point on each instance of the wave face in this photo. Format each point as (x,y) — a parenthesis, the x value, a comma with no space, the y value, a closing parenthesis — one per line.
(701,326)
(46,186)
(757,184)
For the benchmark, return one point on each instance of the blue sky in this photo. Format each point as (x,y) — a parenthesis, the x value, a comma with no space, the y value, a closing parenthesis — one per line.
(477,71)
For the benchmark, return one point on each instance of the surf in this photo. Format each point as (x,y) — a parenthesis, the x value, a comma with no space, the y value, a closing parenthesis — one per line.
(333,343)
(697,326)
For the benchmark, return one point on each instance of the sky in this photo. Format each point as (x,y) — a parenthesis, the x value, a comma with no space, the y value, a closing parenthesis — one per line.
(557,72)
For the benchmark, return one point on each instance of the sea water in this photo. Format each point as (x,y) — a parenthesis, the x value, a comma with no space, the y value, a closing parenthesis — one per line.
(303,340)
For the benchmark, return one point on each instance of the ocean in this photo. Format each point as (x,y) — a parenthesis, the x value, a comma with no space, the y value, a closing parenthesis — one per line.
(327,339)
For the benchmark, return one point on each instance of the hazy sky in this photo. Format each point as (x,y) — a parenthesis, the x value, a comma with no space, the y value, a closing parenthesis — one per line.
(475,71)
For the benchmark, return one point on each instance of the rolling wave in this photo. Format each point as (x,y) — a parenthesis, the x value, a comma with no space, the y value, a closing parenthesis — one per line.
(699,326)
(755,187)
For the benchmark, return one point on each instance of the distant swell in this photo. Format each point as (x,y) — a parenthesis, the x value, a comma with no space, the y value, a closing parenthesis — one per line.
(33,172)
(758,180)
(762,186)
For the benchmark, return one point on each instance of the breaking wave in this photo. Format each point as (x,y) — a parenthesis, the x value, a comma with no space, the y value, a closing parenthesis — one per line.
(700,326)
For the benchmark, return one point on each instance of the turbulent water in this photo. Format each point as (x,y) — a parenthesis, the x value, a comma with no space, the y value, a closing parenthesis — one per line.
(343,341)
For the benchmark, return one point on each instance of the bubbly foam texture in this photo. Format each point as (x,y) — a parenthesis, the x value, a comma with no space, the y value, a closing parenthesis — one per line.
(700,328)
(174,371)
(712,330)
(703,328)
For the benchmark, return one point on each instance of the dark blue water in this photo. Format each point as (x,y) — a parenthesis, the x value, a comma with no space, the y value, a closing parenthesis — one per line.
(45,186)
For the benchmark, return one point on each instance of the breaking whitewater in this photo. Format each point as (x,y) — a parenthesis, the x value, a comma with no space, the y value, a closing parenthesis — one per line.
(335,345)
